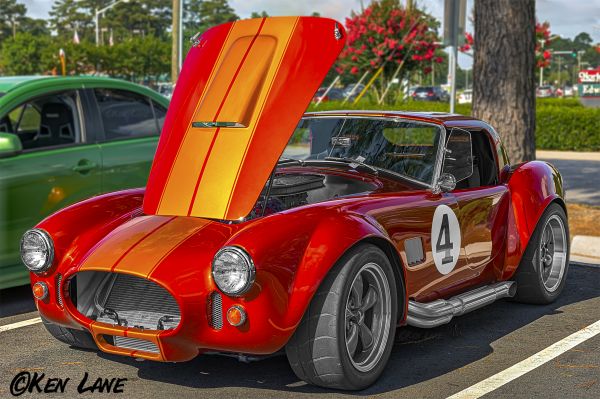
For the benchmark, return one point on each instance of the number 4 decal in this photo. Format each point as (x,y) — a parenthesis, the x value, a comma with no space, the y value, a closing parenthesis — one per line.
(447,245)
(445,237)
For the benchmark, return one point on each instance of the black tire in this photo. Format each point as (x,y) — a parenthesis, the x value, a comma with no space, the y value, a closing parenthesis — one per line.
(531,287)
(76,338)
(317,352)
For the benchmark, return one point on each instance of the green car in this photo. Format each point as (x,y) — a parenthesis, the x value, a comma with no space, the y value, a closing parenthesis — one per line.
(64,139)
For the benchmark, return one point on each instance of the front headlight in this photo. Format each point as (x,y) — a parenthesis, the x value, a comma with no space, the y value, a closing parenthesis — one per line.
(233,271)
(37,250)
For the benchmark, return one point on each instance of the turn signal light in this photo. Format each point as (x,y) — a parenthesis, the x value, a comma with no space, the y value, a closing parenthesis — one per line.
(40,290)
(236,315)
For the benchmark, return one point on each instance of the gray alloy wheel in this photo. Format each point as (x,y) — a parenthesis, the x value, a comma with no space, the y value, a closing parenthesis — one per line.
(368,317)
(541,275)
(347,333)
(553,253)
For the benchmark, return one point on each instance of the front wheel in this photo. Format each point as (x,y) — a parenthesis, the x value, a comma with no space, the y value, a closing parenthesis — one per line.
(346,335)
(542,273)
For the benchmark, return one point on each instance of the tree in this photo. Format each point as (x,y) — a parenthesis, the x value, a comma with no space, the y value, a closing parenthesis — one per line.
(503,72)
(200,15)
(66,16)
(386,35)
(262,14)
(18,52)
(13,19)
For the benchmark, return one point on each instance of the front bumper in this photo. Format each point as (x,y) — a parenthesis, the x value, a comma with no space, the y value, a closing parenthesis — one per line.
(198,330)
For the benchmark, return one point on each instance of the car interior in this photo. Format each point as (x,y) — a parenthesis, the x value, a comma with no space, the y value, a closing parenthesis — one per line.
(47,121)
(484,164)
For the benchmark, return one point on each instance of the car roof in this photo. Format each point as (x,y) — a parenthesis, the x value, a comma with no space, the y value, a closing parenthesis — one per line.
(9,83)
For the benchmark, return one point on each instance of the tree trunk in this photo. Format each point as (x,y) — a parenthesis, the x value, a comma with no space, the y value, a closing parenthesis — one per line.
(504,72)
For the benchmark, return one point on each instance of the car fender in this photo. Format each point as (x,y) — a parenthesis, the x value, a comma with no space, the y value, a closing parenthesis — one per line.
(290,271)
(76,228)
(533,187)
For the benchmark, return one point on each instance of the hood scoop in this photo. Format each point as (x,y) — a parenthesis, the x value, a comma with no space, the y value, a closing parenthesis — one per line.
(240,95)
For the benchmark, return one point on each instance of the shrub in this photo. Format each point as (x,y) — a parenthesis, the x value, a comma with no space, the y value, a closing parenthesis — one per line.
(561,124)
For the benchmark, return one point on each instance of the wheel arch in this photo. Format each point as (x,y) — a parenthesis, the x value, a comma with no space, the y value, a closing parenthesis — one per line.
(533,186)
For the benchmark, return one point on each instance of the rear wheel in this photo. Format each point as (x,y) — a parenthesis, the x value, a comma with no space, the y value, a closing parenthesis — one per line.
(69,336)
(346,335)
(542,273)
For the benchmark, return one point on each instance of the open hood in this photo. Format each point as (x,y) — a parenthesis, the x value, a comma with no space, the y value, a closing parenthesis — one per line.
(243,88)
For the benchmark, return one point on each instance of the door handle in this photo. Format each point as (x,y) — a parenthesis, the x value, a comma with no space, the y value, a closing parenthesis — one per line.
(84,166)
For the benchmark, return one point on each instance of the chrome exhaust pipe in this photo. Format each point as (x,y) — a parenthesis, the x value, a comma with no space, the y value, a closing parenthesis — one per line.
(441,311)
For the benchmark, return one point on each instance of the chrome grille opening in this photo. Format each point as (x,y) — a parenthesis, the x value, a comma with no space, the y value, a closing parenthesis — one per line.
(132,343)
(126,300)
(215,311)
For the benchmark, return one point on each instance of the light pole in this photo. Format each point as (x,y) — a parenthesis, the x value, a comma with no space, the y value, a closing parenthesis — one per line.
(102,11)
(542,45)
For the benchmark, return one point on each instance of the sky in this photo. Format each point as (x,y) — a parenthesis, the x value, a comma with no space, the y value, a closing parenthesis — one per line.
(567,17)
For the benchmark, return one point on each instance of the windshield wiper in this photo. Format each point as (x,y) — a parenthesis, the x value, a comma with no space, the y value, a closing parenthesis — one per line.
(354,163)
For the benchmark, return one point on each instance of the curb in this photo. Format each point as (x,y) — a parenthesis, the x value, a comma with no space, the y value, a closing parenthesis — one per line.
(585,249)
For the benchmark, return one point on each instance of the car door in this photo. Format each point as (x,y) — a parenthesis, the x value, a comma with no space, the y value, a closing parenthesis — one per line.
(483,203)
(131,124)
(57,167)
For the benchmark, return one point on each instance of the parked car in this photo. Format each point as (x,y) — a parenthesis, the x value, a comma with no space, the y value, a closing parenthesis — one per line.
(353,90)
(466,97)
(64,139)
(545,91)
(334,94)
(568,91)
(430,93)
(386,219)
(166,89)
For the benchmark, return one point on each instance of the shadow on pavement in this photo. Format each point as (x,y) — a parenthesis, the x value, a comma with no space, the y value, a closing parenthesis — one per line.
(429,354)
(16,300)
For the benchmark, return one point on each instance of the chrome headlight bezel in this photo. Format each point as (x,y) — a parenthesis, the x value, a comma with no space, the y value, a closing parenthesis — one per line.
(49,249)
(248,263)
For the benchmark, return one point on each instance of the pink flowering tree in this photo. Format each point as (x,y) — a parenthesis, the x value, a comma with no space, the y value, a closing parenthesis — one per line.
(386,34)
(542,41)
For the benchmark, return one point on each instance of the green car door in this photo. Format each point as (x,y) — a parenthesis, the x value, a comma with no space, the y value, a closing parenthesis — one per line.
(58,165)
(131,123)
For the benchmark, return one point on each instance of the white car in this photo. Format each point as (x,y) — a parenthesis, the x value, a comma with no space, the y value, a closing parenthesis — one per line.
(465,97)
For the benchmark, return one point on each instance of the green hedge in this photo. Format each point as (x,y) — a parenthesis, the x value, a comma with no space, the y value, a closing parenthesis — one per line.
(562,124)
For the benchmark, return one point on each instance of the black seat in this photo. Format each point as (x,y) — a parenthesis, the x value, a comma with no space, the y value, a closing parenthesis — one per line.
(56,126)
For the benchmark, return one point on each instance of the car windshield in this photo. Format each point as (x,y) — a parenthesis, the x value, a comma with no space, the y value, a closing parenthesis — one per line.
(404,147)
(423,89)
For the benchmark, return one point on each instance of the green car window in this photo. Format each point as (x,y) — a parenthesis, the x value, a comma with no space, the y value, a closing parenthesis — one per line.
(45,121)
(125,114)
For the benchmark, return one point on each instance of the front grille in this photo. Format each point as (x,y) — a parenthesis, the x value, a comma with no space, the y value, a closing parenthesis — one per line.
(133,343)
(215,310)
(126,300)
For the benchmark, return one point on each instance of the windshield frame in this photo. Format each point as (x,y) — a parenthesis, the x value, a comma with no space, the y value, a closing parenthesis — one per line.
(438,158)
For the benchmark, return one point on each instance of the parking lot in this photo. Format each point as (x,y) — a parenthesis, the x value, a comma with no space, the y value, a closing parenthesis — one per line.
(424,364)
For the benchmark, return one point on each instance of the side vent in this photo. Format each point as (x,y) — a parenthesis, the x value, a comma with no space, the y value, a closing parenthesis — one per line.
(215,310)
(414,251)
(59,298)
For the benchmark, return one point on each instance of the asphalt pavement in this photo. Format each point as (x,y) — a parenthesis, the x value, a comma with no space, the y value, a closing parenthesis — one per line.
(433,363)
(581,174)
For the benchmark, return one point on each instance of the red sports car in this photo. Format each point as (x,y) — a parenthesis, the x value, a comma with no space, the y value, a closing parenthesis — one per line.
(263,228)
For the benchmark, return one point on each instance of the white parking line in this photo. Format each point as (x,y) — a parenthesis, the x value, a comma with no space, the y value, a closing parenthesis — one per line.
(531,363)
(20,324)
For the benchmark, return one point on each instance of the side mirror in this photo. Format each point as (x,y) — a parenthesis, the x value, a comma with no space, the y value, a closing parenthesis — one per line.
(446,183)
(10,145)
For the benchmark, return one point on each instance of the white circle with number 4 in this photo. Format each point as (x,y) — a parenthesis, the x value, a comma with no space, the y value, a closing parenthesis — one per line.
(445,239)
